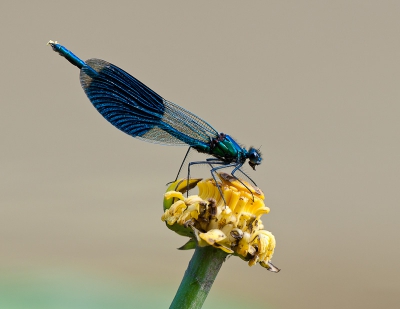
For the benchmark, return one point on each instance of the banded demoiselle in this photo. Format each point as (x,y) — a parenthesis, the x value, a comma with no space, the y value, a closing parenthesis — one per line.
(138,111)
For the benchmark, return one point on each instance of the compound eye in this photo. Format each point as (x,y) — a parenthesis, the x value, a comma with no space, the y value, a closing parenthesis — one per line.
(253,156)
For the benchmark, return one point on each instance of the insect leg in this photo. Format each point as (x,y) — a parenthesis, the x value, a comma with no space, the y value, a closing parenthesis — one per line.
(213,172)
(237,167)
(184,159)
(212,161)
(209,162)
(195,163)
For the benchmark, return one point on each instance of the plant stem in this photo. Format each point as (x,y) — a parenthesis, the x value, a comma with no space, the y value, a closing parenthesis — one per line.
(199,277)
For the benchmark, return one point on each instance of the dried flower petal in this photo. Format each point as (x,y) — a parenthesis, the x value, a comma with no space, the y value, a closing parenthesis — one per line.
(235,228)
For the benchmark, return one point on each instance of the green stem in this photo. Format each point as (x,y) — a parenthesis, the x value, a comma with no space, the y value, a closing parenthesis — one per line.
(199,277)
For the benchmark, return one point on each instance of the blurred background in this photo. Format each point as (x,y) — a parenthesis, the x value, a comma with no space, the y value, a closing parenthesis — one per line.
(314,83)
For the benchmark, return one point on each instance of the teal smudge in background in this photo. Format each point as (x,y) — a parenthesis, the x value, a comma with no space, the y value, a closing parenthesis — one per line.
(60,289)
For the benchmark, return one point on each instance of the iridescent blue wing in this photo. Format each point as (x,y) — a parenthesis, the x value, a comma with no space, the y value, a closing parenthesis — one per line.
(138,111)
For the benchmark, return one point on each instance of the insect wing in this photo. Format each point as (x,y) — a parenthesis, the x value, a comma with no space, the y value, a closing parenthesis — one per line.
(138,111)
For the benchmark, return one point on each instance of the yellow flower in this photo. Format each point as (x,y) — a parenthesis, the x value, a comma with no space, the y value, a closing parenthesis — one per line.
(235,228)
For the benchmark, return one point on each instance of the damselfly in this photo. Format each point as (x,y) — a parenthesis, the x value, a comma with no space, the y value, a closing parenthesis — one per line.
(138,111)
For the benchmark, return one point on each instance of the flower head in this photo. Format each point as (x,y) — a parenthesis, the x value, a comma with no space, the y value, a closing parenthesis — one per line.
(235,228)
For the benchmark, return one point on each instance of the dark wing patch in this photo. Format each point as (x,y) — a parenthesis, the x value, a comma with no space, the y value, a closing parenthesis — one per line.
(138,111)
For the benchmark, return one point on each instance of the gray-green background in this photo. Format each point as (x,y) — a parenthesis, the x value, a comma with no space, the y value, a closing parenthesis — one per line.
(315,83)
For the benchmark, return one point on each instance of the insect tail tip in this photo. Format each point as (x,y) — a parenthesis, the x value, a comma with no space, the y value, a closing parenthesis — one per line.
(51,43)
